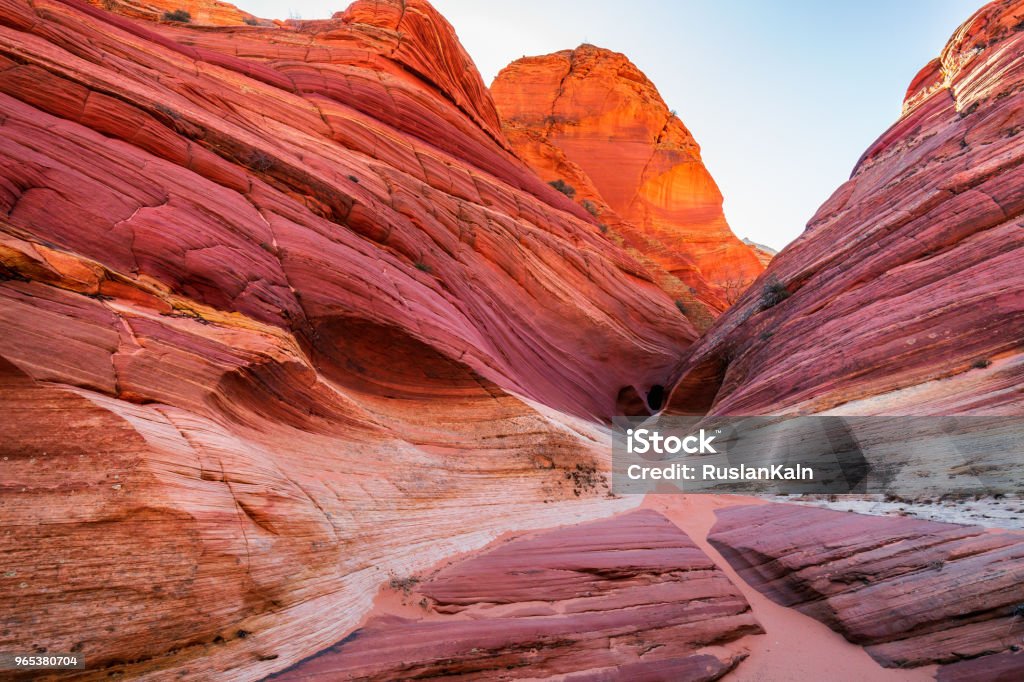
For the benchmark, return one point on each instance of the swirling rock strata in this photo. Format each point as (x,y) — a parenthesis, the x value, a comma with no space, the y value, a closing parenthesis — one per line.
(627,598)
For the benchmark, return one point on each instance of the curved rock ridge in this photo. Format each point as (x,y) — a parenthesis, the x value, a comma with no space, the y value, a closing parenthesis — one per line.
(912,592)
(283,317)
(627,598)
(590,118)
(422,42)
(281,314)
(905,294)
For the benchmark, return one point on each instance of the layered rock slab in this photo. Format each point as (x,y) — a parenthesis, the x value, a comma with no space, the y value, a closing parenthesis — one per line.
(905,294)
(1006,667)
(631,597)
(590,118)
(911,592)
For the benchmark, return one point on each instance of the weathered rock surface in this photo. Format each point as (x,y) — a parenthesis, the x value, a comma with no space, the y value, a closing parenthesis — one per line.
(200,12)
(590,118)
(912,592)
(909,275)
(623,599)
(1007,667)
(280,313)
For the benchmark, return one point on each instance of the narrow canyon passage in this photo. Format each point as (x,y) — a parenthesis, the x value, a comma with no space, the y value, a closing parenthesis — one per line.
(476,613)
(295,314)
(795,646)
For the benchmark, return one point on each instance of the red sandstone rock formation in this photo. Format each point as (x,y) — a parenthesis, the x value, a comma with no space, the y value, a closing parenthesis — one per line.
(590,118)
(627,598)
(280,313)
(283,314)
(912,592)
(200,12)
(908,280)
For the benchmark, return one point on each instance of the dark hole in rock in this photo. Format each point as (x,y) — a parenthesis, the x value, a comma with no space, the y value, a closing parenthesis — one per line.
(656,397)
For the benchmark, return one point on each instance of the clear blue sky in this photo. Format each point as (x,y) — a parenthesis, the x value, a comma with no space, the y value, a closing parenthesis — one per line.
(782,96)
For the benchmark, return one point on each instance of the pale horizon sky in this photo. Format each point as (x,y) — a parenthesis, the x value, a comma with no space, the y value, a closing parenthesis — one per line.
(782,97)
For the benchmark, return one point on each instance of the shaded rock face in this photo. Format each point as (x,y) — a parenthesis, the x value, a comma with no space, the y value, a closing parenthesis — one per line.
(912,592)
(589,118)
(907,294)
(280,313)
(623,599)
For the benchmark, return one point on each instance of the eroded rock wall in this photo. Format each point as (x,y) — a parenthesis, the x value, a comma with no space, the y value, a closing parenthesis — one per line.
(905,293)
(282,315)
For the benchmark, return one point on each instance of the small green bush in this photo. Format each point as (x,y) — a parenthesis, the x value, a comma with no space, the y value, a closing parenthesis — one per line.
(773,293)
(681,306)
(251,21)
(179,15)
(981,363)
(563,187)
(590,206)
(420,265)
